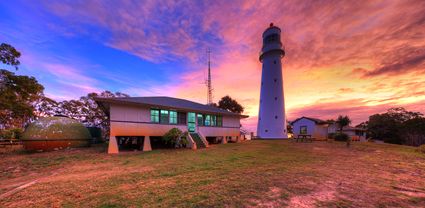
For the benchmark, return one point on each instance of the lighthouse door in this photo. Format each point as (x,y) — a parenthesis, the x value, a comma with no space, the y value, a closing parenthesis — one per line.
(191,122)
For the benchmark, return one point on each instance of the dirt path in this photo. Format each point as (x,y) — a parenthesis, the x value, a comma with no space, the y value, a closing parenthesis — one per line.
(22,185)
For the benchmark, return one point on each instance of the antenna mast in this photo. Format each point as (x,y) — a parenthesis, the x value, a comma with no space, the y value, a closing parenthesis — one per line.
(208,82)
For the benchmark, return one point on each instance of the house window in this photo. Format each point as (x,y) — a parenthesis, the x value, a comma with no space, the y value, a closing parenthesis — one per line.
(164,117)
(200,120)
(213,121)
(173,117)
(219,121)
(303,129)
(154,116)
(181,117)
(274,62)
(207,120)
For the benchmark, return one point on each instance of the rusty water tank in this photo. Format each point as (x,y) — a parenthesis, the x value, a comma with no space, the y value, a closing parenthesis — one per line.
(53,133)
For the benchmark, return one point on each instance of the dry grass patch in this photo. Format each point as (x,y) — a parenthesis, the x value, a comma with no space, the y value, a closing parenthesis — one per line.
(249,174)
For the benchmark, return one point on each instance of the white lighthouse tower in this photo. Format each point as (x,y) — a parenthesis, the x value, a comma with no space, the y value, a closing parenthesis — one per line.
(271,117)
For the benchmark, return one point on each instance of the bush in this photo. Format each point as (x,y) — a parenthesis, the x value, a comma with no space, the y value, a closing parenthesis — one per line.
(422,148)
(331,136)
(341,137)
(11,134)
(176,138)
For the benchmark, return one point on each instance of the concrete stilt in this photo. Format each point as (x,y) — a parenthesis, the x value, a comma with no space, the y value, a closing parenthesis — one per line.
(113,145)
(224,140)
(147,144)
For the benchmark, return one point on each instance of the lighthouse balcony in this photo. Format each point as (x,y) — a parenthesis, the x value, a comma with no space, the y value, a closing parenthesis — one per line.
(278,49)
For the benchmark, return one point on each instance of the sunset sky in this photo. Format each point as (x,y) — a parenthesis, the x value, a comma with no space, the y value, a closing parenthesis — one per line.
(342,57)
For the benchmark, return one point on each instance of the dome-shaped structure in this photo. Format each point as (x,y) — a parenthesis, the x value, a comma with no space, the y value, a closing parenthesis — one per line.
(55,133)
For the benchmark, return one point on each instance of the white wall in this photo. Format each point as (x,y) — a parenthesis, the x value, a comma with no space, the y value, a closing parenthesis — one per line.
(142,114)
(271,115)
(129,113)
(303,122)
(316,131)
(231,121)
(333,128)
(321,132)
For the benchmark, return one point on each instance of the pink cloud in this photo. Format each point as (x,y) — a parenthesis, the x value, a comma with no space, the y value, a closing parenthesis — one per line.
(342,57)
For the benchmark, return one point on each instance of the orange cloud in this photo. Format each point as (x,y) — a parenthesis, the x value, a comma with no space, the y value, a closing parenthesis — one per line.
(342,57)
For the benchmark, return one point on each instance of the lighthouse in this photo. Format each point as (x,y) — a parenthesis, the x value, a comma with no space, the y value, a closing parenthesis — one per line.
(271,116)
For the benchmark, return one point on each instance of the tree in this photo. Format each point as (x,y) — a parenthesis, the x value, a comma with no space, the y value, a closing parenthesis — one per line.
(87,111)
(394,126)
(227,103)
(18,95)
(289,127)
(45,107)
(414,131)
(342,122)
(9,55)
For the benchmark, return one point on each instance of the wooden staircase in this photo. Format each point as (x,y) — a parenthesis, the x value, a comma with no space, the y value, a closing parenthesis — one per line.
(197,139)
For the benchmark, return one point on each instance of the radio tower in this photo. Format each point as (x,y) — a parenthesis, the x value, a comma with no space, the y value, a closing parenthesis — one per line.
(208,81)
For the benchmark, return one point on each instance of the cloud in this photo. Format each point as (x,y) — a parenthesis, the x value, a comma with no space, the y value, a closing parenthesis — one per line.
(345,90)
(402,65)
(342,57)
(157,31)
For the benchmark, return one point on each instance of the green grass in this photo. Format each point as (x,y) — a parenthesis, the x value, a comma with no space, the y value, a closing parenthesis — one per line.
(253,173)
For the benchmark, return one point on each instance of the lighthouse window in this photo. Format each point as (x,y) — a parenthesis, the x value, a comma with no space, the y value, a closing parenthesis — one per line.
(274,62)
(275,117)
(275,80)
(266,130)
(275,98)
(271,38)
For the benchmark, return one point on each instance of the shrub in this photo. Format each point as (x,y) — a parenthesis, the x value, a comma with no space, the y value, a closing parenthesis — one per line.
(11,134)
(422,148)
(331,136)
(341,137)
(176,138)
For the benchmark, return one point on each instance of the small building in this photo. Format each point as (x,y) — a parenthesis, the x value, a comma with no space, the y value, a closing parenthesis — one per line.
(318,129)
(140,119)
(355,133)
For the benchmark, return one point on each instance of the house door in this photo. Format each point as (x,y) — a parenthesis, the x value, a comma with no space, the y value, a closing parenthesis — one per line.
(191,122)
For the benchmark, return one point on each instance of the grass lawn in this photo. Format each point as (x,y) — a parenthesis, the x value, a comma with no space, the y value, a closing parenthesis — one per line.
(248,174)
